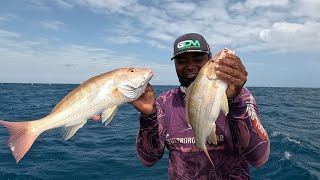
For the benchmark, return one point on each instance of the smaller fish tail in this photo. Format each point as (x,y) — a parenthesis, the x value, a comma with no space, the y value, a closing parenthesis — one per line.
(20,139)
(206,152)
(203,147)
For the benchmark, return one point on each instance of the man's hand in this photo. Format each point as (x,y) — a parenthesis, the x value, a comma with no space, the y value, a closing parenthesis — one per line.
(231,70)
(145,104)
(96,118)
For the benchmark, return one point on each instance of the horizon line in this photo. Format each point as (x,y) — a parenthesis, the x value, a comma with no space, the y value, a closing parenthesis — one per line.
(176,85)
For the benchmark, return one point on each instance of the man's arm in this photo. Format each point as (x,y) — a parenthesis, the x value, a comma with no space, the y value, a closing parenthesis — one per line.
(253,140)
(150,142)
(150,139)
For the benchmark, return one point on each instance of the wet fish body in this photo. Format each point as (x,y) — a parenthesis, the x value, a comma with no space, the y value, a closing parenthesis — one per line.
(100,95)
(205,98)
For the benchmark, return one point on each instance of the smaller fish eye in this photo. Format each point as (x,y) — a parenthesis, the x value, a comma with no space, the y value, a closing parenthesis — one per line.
(131,70)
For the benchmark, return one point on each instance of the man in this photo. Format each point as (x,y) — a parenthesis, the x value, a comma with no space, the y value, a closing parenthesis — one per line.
(241,137)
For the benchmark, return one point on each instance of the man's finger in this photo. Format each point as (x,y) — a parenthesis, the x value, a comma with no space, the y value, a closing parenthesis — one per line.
(228,70)
(229,79)
(231,71)
(233,61)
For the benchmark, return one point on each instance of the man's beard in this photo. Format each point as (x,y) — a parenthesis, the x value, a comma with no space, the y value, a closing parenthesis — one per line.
(184,81)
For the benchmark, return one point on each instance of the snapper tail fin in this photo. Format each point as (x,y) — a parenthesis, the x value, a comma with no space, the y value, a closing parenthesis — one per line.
(21,137)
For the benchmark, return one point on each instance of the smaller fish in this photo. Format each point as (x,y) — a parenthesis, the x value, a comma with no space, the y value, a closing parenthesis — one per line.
(100,95)
(205,98)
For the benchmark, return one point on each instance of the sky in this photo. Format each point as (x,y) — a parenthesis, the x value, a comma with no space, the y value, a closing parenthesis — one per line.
(69,41)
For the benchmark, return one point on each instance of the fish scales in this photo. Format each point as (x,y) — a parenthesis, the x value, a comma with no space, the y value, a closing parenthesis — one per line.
(100,95)
(205,98)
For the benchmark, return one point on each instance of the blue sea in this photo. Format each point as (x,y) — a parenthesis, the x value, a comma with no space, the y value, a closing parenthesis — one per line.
(291,116)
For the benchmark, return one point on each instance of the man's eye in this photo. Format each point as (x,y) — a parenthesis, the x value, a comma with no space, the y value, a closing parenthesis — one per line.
(180,61)
(198,60)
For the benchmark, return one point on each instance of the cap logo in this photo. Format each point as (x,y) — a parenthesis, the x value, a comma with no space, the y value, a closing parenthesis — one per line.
(188,44)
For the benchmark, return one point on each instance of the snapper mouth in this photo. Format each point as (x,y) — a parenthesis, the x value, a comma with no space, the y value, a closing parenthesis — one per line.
(133,88)
(147,75)
(146,78)
(142,88)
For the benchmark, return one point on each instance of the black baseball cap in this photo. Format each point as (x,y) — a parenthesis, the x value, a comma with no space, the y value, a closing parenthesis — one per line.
(191,42)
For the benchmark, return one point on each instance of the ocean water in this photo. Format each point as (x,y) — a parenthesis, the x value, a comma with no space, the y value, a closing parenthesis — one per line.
(291,117)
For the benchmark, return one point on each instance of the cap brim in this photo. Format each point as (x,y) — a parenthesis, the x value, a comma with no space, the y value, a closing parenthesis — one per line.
(190,50)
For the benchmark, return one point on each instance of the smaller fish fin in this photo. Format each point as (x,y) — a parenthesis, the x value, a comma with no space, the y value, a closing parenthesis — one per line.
(212,136)
(68,132)
(224,104)
(108,114)
(211,75)
(186,100)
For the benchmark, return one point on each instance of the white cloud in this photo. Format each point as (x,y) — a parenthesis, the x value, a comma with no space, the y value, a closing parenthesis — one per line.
(239,25)
(106,6)
(124,33)
(258,3)
(5,18)
(53,25)
(246,25)
(307,9)
(37,5)
(41,61)
(293,36)
(249,26)
(8,34)
(181,9)
(2,19)
(159,36)
(123,39)
(63,4)
(258,7)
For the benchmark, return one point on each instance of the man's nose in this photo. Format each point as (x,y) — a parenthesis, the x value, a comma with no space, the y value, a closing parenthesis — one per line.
(190,66)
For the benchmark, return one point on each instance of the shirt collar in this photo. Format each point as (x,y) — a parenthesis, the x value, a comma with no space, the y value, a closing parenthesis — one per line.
(183,89)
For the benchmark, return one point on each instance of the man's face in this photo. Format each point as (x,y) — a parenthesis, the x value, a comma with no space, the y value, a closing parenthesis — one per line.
(189,64)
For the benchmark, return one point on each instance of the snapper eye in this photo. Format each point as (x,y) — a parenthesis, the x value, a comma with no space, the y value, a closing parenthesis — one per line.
(131,70)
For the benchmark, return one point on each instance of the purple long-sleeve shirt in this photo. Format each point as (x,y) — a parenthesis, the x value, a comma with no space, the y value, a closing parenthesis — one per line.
(247,143)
